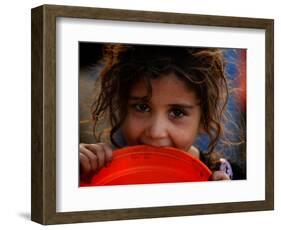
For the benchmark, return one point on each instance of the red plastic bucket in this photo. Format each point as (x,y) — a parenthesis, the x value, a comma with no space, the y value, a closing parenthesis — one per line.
(147,165)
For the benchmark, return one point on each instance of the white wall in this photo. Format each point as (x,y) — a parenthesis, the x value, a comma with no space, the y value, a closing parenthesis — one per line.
(15,113)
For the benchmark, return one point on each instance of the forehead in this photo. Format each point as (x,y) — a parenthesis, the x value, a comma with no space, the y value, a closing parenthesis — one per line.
(166,87)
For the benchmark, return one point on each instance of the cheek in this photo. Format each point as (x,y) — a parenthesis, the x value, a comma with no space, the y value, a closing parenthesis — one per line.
(184,137)
(132,129)
(182,140)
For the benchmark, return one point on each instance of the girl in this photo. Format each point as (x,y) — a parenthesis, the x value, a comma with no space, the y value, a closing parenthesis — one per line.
(160,96)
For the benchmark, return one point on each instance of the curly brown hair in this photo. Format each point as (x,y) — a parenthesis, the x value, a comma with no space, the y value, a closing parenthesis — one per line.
(201,70)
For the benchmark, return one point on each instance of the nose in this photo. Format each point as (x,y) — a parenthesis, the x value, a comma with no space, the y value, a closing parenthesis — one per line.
(157,128)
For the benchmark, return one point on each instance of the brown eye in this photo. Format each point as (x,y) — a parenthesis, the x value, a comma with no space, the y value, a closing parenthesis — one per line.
(177,113)
(142,107)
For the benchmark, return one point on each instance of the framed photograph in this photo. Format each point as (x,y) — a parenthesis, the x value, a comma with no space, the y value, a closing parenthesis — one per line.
(139,114)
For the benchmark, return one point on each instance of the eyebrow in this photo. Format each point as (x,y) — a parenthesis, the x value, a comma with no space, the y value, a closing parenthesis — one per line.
(181,105)
(184,106)
(135,97)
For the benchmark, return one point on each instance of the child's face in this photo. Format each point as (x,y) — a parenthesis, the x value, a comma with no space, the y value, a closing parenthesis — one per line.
(170,118)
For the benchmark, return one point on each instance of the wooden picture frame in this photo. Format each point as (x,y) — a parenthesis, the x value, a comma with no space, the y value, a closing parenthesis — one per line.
(43,207)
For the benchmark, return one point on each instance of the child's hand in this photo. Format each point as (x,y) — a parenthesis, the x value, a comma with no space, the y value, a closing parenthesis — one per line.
(219,175)
(92,158)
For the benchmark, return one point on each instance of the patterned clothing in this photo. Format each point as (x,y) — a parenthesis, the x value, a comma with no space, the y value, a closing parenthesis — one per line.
(222,165)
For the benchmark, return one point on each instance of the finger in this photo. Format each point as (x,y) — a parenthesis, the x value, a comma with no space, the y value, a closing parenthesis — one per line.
(83,148)
(219,175)
(92,158)
(224,176)
(100,154)
(85,166)
(108,153)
